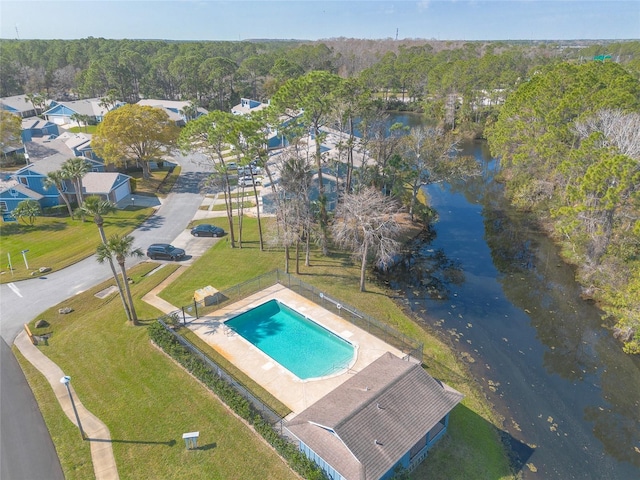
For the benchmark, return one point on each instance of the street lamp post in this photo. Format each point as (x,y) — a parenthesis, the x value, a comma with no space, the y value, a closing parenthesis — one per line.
(66,380)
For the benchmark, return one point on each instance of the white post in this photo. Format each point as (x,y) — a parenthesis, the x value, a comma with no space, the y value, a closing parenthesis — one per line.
(24,255)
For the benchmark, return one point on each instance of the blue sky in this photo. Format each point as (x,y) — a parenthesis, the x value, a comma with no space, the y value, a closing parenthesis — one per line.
(313,20)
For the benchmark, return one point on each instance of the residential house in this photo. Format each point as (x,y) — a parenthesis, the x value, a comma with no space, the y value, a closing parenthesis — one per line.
(92,109)
(111,186)
(36,127)
(47,155)
(179,112)
(34,174)
(19,105)
(386,416)
(13,192)
(246,106)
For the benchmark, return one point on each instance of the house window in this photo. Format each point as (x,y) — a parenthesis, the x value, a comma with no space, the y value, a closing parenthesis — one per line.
(3,206)
(24,181)
(418,447)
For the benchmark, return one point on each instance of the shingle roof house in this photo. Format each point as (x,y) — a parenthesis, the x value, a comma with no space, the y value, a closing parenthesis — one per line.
(179,112)
(19,105)
(388,415)
(247,106)
(60,113)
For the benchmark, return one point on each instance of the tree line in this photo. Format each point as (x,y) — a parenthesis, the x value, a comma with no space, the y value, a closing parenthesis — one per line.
(215,75)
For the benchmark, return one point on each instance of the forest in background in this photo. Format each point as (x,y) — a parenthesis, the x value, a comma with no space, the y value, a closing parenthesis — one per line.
(561,117)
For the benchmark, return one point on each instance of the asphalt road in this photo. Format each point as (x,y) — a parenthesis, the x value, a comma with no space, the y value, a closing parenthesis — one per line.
(27,451)
(21,301)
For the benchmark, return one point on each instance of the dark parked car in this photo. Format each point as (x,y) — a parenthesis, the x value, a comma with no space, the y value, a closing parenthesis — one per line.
(164,251)
(206,230)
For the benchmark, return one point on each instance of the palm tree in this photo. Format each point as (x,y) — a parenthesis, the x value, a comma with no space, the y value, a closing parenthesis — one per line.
(74,169)
(81,119)
(56,179)
(121,248)
(96,207)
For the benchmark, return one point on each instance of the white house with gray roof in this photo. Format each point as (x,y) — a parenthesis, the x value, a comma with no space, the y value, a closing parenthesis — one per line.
(179,112)
(386,416)
(92,109)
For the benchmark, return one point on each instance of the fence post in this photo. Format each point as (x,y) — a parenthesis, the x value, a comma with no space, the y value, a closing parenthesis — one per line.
(195,305)
(184,318)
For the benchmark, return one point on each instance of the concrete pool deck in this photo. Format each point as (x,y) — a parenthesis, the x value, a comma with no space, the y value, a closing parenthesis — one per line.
(285,386)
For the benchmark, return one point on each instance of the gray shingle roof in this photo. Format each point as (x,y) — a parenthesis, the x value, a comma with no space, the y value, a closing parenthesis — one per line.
(377,416)
(100,183)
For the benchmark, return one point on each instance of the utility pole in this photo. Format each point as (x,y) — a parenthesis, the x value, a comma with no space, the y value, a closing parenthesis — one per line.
(17,33)
(396,33)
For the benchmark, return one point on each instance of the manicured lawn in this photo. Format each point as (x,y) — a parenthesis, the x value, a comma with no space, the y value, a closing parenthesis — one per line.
(144,398)
(473,443)
(148,402)
(58,242)
(91,129)
(160,183)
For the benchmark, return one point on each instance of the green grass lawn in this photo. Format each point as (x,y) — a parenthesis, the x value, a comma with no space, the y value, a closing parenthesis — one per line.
(58,242)
(91,129)
(148,402)
(474,444)
(145,399)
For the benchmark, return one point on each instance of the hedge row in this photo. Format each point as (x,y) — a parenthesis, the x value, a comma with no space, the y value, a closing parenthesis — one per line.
(240,405)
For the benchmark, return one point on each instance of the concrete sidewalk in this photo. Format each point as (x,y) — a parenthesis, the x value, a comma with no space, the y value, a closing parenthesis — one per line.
(96,432)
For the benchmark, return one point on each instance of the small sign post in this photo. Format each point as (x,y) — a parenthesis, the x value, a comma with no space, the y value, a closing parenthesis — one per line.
(191,440)
(24,255)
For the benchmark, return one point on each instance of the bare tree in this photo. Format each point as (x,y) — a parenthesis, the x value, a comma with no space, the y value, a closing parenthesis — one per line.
(431,156)
(366,223)
(620,130)
(294,207)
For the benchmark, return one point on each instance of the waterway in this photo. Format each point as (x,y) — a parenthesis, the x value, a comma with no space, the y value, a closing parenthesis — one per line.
(487,279)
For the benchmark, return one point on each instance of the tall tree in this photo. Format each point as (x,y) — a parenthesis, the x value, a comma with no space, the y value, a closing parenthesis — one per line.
(74,169)
(430,158)
(57,179)
(121,248)
(97,207)
(366,223)
(309,100)
(137,132)
(210,135)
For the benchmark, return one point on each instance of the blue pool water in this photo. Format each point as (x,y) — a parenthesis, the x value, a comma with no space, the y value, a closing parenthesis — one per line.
(300,345)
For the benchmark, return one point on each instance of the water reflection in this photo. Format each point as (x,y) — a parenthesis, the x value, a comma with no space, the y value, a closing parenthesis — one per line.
(489,279)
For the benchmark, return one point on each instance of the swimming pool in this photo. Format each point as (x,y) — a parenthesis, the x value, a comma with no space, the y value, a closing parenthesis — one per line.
(303,347)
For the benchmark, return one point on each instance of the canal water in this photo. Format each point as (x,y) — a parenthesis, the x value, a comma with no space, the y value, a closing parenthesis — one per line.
(488,280)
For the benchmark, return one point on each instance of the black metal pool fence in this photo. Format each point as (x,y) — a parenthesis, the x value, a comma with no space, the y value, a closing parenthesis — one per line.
(410,347)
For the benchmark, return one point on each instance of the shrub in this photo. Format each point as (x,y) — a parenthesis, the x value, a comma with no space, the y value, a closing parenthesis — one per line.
(297,460)
(56,211)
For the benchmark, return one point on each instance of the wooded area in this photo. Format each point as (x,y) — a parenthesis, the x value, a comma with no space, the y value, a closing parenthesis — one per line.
(564,124)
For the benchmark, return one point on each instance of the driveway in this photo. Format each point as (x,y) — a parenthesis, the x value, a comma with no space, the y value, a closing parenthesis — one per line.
(27,450)
(21,301)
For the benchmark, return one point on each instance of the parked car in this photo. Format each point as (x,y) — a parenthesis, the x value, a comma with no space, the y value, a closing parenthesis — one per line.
(164,251)
(232,165)
(248,181)
(249,170)
(206,230)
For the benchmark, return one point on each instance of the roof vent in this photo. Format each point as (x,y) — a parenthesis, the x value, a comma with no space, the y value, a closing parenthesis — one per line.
(366,389)
(379,407)
(377,442)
